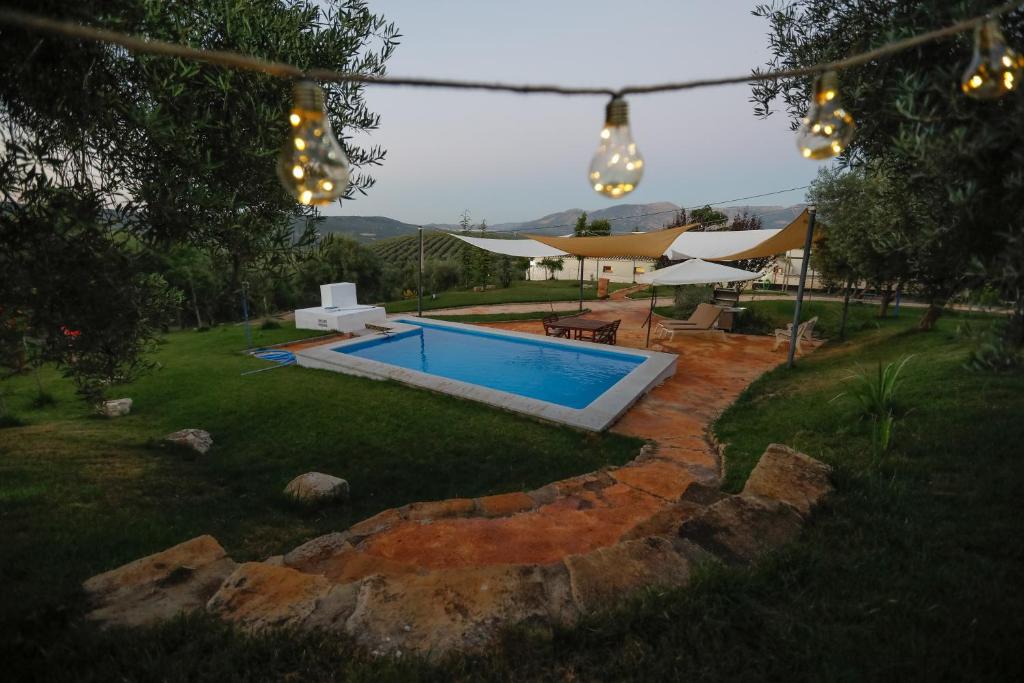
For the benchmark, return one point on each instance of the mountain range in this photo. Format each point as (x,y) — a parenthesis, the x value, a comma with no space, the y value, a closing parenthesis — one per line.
(623,218)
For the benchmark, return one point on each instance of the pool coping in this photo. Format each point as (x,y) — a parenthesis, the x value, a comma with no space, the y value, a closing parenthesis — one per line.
(598,416)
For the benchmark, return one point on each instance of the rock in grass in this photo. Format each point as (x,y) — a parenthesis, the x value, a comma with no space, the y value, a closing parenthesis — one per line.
(159,586)
(315,487)
(116,407)
(196,439)
(790,477)
(739,529)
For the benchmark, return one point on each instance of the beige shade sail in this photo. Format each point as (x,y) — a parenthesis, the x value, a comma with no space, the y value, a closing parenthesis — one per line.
(630,245)
(790,237)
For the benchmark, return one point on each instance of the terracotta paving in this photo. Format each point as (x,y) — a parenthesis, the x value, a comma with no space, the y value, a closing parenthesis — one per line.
(584,513)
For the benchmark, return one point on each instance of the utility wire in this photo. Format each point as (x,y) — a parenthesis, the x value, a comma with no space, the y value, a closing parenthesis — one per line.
(246,62)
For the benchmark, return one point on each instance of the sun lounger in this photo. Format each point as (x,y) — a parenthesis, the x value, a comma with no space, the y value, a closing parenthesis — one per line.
(703,319)
(804,332)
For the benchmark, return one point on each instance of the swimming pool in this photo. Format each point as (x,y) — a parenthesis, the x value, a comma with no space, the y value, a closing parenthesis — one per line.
(576,383)
(568,376)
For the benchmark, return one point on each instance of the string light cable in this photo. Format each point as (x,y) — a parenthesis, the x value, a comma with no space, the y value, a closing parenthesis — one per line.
(312,165)
(246,62)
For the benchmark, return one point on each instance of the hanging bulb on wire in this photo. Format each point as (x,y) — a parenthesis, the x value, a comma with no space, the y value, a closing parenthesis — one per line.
(617,166)
(828,127)
(995,69)
(312,165)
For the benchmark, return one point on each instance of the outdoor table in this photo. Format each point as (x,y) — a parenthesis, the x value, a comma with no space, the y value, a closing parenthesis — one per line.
(578,325)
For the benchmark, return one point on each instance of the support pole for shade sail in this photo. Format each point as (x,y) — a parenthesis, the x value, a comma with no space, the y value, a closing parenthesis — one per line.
(650,314)
(581,283)
(419,280)
(811,212)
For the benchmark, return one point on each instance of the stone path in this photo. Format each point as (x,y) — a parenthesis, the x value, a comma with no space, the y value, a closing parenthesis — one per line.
(432,576)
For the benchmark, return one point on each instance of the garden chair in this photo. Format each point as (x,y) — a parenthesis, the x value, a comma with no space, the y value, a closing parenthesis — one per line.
(608,334)
(703,319)
(804,332)
(551,331)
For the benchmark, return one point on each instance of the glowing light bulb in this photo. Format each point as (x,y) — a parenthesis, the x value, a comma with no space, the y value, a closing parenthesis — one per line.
(617,166)
(312,165)
(828,127)
(995,69)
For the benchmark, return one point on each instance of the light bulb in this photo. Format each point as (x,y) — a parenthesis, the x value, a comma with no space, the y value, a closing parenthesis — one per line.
(312,165)
(995,69)
(617,166)
(828,127)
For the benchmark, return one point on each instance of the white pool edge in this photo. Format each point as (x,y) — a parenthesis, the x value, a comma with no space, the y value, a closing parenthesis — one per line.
(598,416)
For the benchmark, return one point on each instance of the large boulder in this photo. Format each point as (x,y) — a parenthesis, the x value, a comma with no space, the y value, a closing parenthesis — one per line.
(258,595)
(435,612)
(785,475)
(738,529)
(196,439)
(314,487)
(604,576)
(159,586)
(117,407)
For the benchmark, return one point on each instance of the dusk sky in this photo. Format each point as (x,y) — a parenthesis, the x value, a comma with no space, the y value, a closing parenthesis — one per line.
(508,157)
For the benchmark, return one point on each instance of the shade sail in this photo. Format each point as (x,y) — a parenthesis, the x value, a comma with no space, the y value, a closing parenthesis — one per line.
(742,244)
(629,245)
(696,272)
(715,245)
(524,248)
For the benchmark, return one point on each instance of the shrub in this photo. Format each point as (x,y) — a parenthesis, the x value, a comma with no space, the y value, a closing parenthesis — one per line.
(43,399)
(270,325)
(876,394)
(688,297)
(754,321)
(9,420)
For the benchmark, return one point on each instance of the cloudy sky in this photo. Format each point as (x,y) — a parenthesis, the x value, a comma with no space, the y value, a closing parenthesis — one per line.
(508,157)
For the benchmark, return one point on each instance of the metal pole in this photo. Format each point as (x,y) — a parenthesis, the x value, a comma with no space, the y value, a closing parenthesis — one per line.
(581,284)
(811,211)
(419,279)
(650,314)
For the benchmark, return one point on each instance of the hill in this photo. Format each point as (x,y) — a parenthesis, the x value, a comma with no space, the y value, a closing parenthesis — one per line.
(436,245)
(629,217)
(386,232)
(365,228)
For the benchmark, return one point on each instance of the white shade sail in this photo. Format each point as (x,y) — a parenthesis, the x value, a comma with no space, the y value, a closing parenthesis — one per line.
(696,272)
(522,248)
(715,245)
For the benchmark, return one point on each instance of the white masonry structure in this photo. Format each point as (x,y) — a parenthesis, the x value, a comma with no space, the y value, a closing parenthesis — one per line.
(339,311)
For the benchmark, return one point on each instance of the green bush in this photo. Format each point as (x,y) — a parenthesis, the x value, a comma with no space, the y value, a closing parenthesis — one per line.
(270,325)
(754,321)
(43,399)
(688,297)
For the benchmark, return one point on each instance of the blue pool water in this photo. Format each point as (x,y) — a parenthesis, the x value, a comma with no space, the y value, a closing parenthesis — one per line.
(571,377)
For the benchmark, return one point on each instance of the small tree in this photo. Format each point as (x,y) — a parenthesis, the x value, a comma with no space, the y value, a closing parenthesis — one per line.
(552,265)
(707,217)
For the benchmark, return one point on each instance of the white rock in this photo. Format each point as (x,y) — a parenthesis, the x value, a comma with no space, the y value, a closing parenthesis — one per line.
(116,407)
(196,439)
(316,486)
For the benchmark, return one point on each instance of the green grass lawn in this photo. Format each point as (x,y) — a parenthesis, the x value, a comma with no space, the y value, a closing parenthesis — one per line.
(81,494)
(912,570)
(520,291)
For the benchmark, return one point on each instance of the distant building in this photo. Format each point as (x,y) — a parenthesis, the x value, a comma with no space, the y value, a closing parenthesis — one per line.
(615,269)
